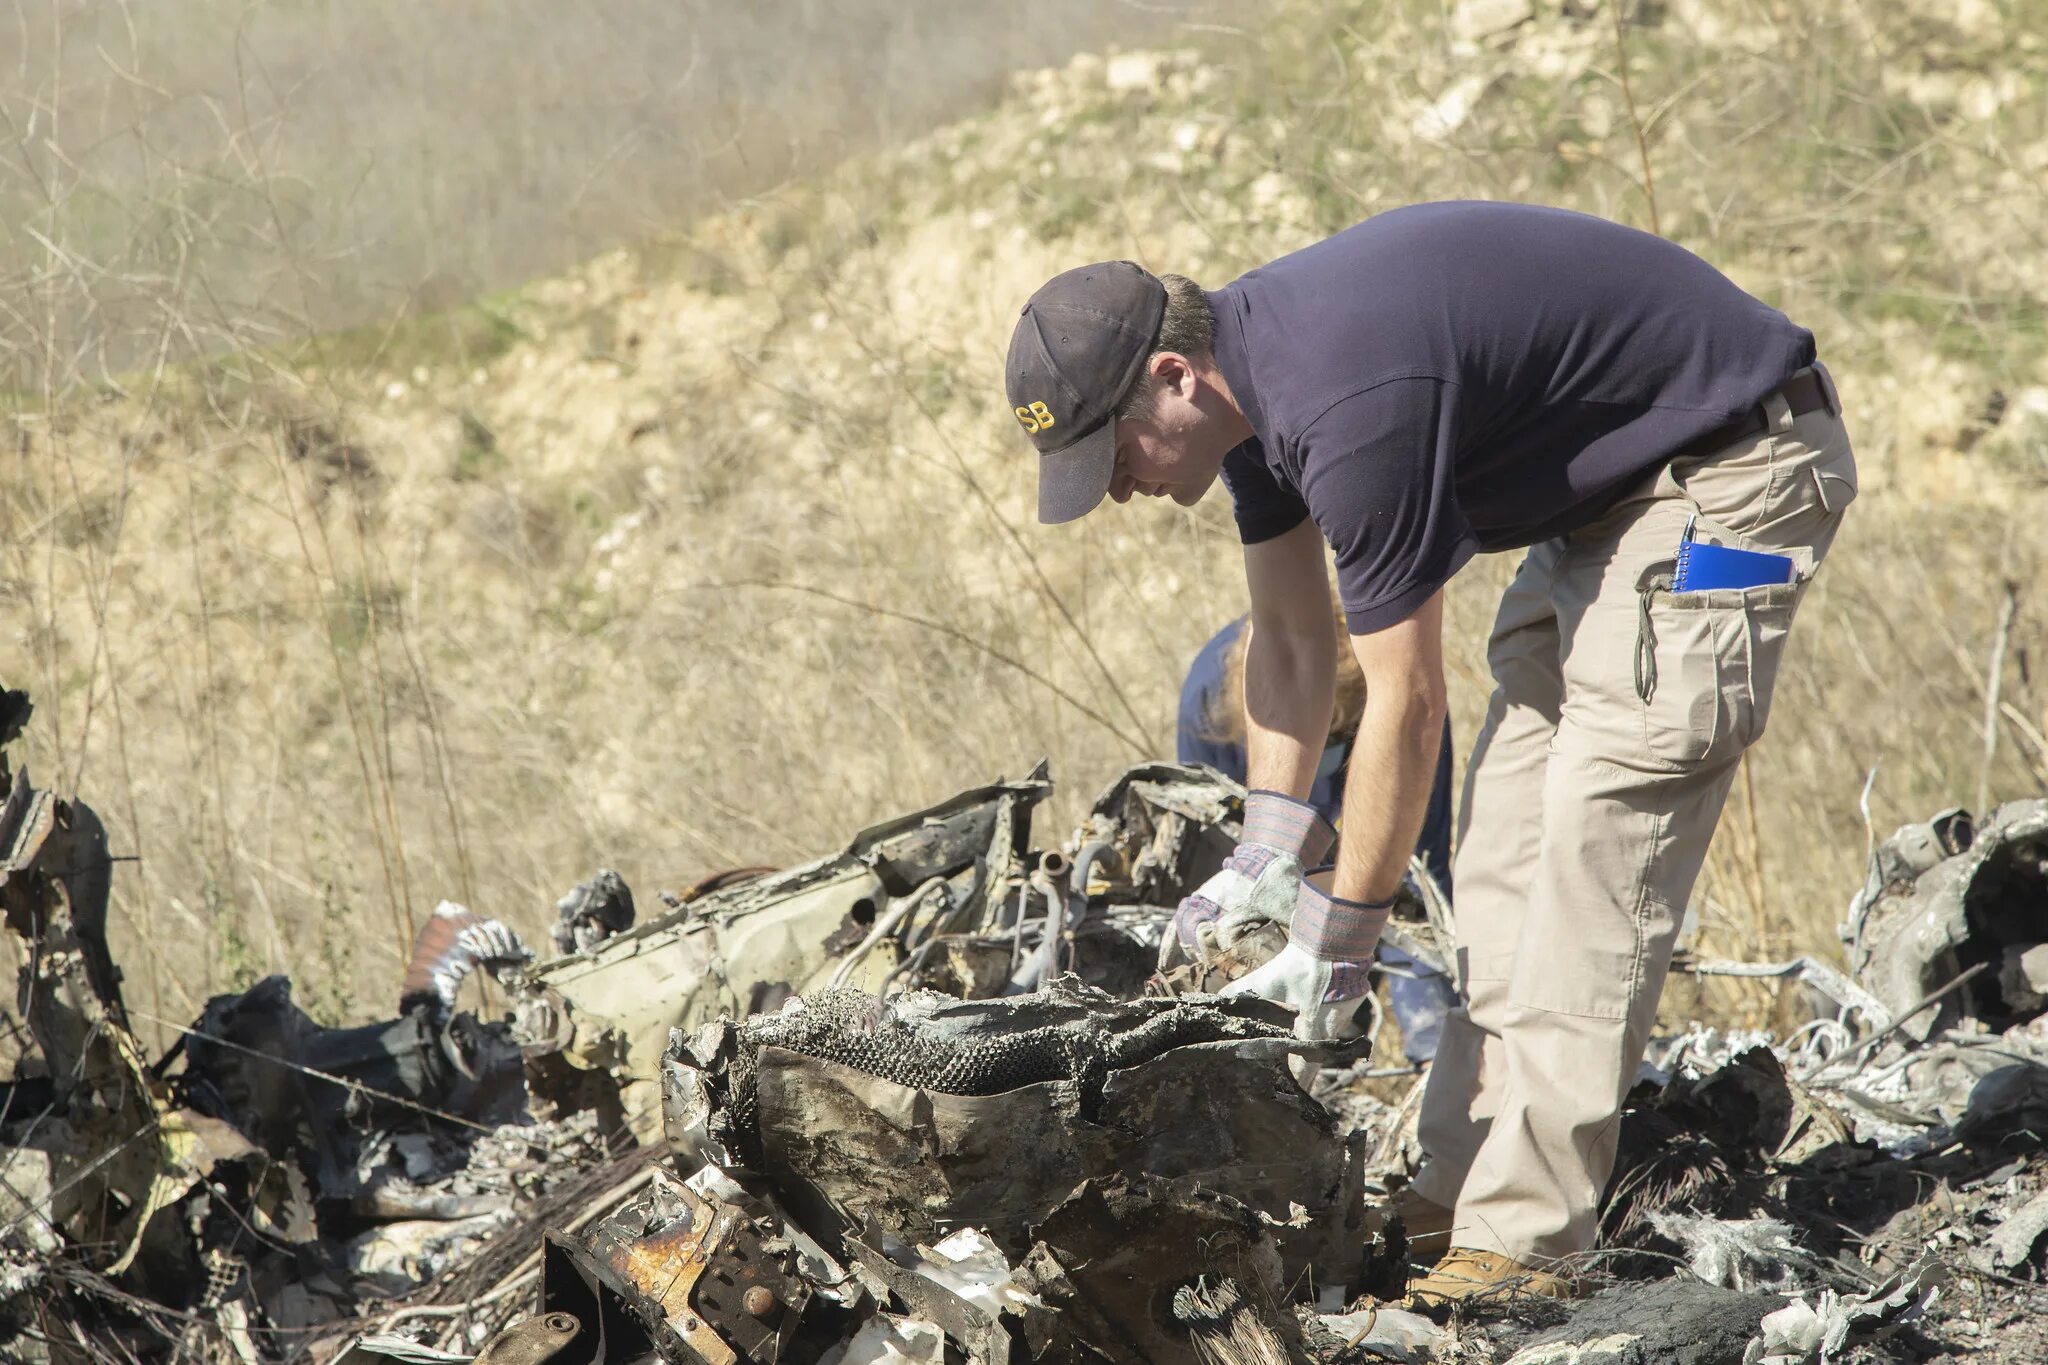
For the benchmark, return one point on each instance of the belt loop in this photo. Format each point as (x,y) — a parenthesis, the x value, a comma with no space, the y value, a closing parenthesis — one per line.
(1828,389)
(1777,413)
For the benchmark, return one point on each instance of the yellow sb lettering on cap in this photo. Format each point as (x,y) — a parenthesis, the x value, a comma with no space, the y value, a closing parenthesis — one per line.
(1036,418)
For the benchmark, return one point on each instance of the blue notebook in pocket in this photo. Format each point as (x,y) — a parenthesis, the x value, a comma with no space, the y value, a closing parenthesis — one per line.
(1702,567)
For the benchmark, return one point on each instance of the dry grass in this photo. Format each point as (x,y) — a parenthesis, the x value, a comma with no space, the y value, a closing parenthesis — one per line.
(713,551)
(239,173)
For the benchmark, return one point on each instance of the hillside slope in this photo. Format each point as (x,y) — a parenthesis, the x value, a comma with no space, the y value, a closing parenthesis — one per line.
(711,552)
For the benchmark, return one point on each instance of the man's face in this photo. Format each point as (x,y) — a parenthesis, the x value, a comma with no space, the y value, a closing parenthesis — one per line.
(1170,452)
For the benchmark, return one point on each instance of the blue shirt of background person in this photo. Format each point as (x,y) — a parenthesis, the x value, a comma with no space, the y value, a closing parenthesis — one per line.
(1208,732)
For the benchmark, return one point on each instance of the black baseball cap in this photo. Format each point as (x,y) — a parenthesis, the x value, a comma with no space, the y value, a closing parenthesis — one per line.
(1080,345)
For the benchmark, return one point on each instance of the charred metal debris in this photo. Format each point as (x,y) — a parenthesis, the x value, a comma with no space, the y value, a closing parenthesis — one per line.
(925,1100)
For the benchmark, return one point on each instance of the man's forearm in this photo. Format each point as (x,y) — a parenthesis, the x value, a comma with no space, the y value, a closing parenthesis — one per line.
(1289,692)
(1386,793)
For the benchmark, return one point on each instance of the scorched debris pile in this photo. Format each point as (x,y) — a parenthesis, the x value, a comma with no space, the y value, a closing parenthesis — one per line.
(923,1100)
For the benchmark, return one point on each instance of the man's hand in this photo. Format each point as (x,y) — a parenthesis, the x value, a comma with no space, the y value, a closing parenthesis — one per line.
(1324,971)
(1258,883)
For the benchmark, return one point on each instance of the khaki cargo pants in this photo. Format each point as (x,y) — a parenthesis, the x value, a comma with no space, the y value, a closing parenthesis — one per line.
(1613,733)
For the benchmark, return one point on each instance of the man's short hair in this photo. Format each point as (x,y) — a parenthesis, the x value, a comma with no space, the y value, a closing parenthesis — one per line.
(1188,328)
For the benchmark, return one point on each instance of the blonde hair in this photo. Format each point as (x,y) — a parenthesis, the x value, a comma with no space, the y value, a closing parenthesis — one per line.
(1223,721)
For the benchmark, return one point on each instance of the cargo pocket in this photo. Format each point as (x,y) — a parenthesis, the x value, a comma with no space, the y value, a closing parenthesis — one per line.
(1581,978)
(1834,477)
(1706,664)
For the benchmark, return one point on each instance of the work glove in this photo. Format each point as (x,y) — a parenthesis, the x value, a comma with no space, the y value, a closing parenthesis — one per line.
(1324,971)
(1255,885)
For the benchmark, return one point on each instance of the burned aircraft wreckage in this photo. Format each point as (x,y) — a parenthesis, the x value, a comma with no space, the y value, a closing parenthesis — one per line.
(925,1100)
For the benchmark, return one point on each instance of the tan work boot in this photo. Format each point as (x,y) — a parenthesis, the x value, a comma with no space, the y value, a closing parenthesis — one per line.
(1426,1224)
(1467,1275)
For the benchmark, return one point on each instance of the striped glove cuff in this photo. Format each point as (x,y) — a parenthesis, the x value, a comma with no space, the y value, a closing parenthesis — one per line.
(1293,827)
(1343,934)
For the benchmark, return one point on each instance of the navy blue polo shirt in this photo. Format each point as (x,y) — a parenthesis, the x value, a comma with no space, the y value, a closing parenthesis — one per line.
(1449,378)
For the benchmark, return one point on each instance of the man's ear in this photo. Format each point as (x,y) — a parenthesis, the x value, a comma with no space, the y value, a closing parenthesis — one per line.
(1172,371)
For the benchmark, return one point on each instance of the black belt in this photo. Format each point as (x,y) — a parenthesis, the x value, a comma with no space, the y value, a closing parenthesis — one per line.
(1804,392)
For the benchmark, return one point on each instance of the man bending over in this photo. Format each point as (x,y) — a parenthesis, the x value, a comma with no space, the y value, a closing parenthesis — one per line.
(1440,380)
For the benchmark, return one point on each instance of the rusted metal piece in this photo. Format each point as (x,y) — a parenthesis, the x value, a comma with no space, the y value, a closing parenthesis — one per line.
(665,1260)
(719,881)
(700,1269)
(450,947)
(618,1324)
